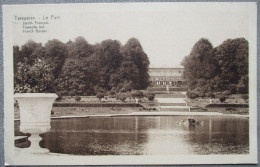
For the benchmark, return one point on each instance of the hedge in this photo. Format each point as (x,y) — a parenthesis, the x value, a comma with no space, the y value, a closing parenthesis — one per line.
(96,105)
(227,105)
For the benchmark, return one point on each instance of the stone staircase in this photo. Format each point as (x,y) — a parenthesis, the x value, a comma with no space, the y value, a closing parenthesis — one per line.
(174,101)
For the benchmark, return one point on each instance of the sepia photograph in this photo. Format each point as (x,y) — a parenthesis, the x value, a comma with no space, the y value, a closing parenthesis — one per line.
(130,83)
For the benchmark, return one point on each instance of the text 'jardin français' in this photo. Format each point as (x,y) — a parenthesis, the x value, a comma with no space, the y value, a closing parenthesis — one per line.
(31,24)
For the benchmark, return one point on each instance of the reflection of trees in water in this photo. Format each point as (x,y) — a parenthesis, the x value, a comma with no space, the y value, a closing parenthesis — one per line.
(97,136)
(134,135)
(220,136)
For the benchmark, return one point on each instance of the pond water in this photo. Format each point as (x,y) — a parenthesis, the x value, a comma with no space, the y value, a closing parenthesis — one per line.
(142,135)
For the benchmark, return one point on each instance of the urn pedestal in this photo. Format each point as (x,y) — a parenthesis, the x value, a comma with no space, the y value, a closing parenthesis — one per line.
(35,114)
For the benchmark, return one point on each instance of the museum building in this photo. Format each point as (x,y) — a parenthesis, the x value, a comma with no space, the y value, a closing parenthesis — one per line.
(166,76)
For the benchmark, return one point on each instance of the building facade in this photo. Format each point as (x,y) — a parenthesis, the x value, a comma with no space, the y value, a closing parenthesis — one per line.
(166,76)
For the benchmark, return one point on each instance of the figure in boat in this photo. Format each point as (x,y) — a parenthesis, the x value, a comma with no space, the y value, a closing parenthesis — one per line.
(189,121)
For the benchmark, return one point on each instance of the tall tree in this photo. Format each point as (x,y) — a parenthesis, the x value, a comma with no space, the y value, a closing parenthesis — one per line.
(197,63)
(218,69)
(55,54)
(134,57)
(108,59)
(74,77)
(232,59)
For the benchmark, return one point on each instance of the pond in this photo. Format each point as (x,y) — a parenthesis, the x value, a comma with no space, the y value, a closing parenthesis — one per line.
(143,135)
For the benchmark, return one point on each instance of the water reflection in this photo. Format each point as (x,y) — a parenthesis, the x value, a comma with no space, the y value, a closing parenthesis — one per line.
(146,136)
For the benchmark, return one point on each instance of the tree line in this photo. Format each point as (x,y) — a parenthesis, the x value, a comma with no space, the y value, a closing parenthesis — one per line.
(223,69)
(80,68)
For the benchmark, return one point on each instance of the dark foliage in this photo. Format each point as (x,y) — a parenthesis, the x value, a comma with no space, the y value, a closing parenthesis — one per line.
(222,98)
(77,98)
(100,95)
(219,69)
(79,68)
(227,105)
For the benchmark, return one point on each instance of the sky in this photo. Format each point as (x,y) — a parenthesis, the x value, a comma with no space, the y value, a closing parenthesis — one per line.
(167,31)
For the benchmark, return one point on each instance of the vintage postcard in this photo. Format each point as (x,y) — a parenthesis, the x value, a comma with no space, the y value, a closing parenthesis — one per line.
(130,83)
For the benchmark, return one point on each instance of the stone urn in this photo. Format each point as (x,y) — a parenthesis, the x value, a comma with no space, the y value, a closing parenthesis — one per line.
(35,113)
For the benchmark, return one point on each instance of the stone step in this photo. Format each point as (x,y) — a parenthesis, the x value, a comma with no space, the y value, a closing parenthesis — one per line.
(170,96)
(175,109)
(166,92)
(172,104)
(163,88)
(171,100)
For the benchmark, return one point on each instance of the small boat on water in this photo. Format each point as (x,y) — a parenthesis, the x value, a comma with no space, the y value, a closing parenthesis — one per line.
(189,121)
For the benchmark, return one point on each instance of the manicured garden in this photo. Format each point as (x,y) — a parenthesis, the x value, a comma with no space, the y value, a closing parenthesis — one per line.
(236,103)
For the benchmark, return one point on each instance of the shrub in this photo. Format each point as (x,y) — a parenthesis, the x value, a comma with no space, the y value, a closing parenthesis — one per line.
(201,94)
(59,96)
(227,105)
(122,97)
(230,109)
(99,90)
(100,95)
(77,98)
(192,94)
(245,97)
(149,95)
(210,95)
(29,77)
(227,92)
(137,94)
(112,92)
(242,89)
(222,98)
(232,89)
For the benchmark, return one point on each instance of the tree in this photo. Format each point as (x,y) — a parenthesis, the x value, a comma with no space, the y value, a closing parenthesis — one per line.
(17,57)
(75,76)
(33,73)
(223,68)
(35,78)
(55,54)
(26,54)
(232,58)
(78,68)
(136,64)
(108,59)
(197,63)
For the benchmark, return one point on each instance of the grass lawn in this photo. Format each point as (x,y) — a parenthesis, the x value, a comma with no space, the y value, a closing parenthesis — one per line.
(200,104)
(75,111)
(197,105)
